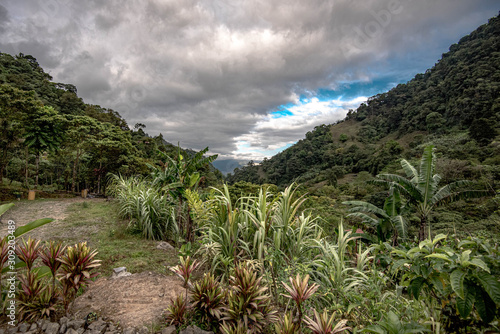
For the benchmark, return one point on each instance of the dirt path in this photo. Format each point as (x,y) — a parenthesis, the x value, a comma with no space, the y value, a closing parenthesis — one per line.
(131,301)
(27,211)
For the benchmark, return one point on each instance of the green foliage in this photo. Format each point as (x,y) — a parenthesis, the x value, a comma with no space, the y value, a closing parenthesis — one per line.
(392,324)
(456,274)
(420,188)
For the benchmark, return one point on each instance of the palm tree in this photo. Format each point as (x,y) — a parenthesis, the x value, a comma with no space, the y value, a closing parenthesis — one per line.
(388,219)
(421,191)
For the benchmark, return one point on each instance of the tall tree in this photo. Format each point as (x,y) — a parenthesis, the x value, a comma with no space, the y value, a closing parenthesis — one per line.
(44,132)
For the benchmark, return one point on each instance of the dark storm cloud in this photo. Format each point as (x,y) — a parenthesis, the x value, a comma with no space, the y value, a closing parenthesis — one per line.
(208,73)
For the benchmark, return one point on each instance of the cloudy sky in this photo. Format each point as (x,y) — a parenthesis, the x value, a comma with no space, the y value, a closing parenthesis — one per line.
(246,78)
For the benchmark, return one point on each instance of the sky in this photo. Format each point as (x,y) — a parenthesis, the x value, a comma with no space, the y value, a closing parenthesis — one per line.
(245,78)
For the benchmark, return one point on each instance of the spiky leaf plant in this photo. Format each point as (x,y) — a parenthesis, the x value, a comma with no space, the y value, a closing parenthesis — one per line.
(287,325)
(207,300)
(50,255)
(78,265)
(185,269)
(248,303)
(177,311)
(27,251)
(299,291)
(323,323)
(36,298)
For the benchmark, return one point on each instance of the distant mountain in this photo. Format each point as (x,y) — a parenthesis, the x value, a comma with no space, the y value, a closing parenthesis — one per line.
(227,166)
(454,105)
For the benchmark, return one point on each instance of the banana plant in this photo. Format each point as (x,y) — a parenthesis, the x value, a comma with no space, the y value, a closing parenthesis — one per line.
(387,220)
(421,188)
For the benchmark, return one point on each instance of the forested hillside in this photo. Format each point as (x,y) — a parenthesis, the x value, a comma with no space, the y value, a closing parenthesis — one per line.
(50,139)
(455,105)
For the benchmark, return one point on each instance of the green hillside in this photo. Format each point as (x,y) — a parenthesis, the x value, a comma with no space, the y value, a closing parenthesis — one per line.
(455,105)
(50,139)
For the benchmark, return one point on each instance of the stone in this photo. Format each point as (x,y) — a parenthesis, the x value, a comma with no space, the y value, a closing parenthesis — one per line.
(120,272)
(33,327)
(71,331)
(75,324)
(169,330)
(12,330)
(62,330)
(2,331)
(23,328)
(143,330)
(52,328)
(164,245)
(80,330)
(129,331)
(44,325)
(63,321)
(98,326)
(194,330)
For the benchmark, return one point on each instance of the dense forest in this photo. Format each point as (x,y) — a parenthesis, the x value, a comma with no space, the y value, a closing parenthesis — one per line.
(455,105)
(51,140)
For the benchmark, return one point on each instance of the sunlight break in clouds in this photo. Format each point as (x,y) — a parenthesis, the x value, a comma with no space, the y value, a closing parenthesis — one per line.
(266,138)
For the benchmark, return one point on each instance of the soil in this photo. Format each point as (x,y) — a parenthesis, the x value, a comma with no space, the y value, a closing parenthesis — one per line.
(24,212)
(132,301)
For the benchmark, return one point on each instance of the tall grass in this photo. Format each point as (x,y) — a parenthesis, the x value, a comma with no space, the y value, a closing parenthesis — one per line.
(148,209)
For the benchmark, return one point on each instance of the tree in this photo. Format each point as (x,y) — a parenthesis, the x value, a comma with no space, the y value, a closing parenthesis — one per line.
(421,188)
(179,174)
(15,104)
(43,133)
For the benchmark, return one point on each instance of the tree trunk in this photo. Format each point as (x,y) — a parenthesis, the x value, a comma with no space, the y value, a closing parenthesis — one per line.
(75,165)
(26,169)
(422,233)
(37,163)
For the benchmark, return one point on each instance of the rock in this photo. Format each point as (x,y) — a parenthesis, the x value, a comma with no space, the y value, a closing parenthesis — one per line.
(2,331)
(75,324)
(120,272)
(33,327)
(98,326)
(164,245)
(23,328)
(62,330)
(71,331)
(44,325)
(129,331)
(169,330)
(80,330)
(12,330)
(52,328)
(63,321)
(143,330)
(194,330)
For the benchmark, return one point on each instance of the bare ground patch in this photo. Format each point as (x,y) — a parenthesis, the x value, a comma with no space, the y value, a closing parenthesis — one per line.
(132,301)
(27,211)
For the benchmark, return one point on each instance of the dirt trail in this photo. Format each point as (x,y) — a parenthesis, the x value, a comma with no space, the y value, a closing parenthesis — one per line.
(139,299)
(28,211)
